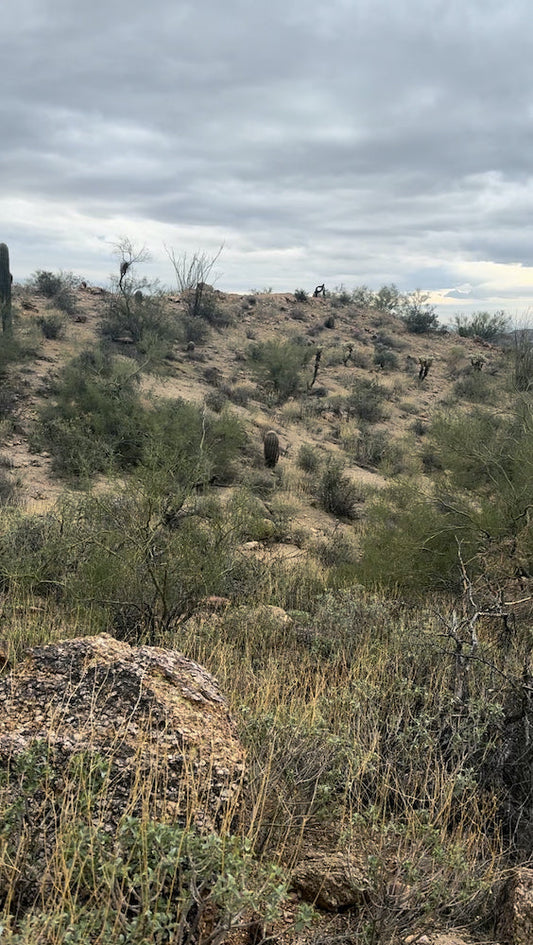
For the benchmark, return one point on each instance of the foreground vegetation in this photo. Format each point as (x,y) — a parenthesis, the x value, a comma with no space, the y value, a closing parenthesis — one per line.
(389,718)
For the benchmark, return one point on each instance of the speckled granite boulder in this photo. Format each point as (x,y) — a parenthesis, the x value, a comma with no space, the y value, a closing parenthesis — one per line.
(155,721)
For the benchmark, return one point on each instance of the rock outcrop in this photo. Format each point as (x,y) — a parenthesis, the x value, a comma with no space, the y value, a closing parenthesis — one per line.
(153,720)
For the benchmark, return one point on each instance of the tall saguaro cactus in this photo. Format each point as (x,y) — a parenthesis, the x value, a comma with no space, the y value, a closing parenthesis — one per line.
(5,288)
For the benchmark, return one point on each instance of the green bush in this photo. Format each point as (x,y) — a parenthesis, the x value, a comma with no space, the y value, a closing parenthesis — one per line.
(337,493)
(193,329)
(474,386)
(387,299)
(522,374)
(141,320)
(58,288)
(138,881)
(100,424)
(308,459)
(481,325)
(96,423)
(374,447)
(384,358)
(366,401)
(410,541)
(417,315)
(278,365)
(301,295)
(52,326)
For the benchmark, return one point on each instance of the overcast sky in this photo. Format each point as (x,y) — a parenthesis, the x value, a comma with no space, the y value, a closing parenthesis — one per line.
(347,142)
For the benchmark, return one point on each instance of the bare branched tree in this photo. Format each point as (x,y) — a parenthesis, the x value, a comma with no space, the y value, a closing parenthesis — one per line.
(192,274)
(128,254)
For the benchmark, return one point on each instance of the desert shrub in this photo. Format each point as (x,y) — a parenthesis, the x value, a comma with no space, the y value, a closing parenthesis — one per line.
(210,310)
(52,326)
(455,359)
(417,315)
(481,324)
(216,400)
(212,376)
(363,297)
(387,299)
(142,320)
(336,550)
(419,427)
(410,541)
(308,459)
(366,401)
(340,297)
(374,447)
(487,454)
(149,871)
(193,330)
(9,489)
(99,424)
(474,386)
(192,446)
(241,394)
(384,358)
(486,464)
(57,287)
(97,420)
(336,492)
(360,359)
(147,558)
(32,554)
(301,295)
(384,340)
(522,361)
(278,366)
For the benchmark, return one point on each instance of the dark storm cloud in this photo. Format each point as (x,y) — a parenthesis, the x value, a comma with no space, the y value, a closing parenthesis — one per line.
(361,139)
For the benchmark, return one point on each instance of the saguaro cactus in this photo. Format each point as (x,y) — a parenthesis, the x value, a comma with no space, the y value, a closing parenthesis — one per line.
(5,288)
(271,448)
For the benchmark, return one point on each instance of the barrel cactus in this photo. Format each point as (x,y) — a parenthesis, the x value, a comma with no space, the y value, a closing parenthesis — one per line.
(5,288)
(271,448)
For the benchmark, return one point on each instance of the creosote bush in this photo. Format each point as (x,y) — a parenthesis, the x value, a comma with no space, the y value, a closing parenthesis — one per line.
(366,401)
(278,366)
(481,325)
(337,493)
(308,459)
(58,287)
(417,314)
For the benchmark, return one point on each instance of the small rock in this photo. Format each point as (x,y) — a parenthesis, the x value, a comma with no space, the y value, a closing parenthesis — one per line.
(332,881)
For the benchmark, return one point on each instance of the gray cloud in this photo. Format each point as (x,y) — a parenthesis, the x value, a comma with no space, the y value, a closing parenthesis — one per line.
(359,141)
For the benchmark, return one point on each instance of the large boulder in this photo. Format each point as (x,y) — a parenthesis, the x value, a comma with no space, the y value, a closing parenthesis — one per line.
(151,722)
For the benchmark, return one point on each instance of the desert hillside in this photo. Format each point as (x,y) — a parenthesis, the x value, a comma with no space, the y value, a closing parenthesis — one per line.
(265,658)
